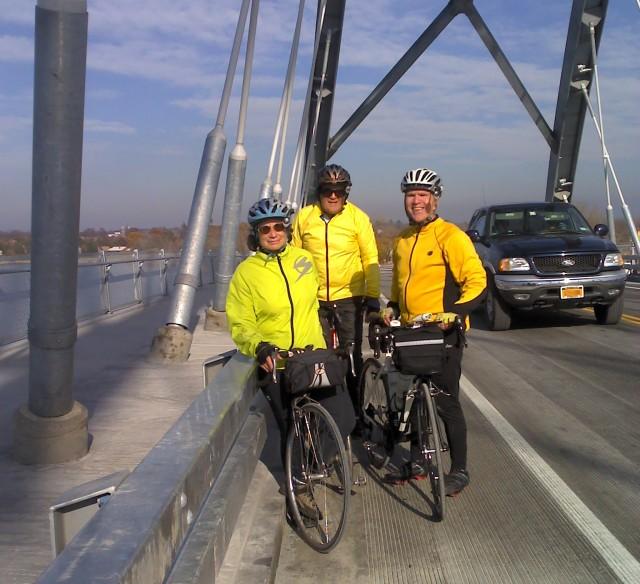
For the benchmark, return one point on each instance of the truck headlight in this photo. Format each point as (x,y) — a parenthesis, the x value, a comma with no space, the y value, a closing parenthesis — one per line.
(613,260)
(513,265)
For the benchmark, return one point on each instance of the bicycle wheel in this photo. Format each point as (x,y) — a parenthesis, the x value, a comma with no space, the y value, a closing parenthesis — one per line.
(377,430)
(318,477)
(431,447)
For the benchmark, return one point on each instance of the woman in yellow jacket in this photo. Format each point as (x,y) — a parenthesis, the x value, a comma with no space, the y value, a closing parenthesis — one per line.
(272,303)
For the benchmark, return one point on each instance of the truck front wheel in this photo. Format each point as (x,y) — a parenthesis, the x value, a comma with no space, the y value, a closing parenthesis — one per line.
(497,311)
(609,313)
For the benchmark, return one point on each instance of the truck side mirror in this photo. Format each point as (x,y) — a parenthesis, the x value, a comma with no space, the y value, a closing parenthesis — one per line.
(601,230)
(474,235)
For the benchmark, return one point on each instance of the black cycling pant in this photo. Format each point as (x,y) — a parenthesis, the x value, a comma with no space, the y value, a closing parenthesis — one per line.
(448,406)
(349,313)
(334,399)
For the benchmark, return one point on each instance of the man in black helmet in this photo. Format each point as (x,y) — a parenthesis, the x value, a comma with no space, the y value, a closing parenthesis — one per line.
(341,240)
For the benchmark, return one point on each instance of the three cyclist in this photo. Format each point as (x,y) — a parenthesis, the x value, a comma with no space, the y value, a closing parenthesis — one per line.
(340,238)
(435,270)
(272,303)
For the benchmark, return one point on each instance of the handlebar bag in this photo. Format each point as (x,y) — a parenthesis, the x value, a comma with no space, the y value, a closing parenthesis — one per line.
(419,351)
(313,369)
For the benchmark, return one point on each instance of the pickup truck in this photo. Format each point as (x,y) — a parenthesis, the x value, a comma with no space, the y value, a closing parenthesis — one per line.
(546,255)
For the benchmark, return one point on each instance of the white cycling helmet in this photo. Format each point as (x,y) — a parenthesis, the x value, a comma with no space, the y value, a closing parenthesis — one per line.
(422,178)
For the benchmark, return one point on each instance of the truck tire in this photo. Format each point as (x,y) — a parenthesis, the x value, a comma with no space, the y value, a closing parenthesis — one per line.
(497,311)
(609,313)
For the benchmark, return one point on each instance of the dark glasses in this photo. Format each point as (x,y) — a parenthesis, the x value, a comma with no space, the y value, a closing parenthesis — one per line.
(328,190)
(277,227)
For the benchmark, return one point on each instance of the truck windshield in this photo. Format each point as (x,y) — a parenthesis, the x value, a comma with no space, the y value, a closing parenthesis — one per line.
(537,221)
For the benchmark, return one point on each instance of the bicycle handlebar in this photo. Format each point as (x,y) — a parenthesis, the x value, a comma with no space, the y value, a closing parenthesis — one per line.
(381,332)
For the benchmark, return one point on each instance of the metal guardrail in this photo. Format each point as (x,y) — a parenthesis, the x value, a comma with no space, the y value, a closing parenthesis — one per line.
(105,284)
(632,263)
(172,518)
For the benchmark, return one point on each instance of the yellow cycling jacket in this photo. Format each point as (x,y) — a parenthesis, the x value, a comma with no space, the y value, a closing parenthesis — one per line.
(436,269)
(272,298)
(344,251)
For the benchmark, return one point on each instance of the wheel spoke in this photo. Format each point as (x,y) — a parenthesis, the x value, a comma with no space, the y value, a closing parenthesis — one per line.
(319,508)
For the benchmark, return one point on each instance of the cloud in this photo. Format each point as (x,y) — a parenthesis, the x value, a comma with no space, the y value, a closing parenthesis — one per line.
(166,60)
(16,48)
(100,126)
(10,124)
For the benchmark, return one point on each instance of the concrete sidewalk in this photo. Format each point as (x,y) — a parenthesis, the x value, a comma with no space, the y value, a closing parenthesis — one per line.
(132,402)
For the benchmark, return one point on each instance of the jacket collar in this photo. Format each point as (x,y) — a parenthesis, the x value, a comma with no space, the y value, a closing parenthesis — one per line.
(272,255)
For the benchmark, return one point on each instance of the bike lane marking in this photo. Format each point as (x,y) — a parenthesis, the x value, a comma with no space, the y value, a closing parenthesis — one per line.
(617,557)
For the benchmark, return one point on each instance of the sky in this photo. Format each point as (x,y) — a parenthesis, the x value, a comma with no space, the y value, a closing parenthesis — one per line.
(155,71)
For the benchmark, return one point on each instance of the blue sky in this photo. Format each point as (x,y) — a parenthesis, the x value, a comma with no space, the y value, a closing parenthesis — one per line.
(155,72)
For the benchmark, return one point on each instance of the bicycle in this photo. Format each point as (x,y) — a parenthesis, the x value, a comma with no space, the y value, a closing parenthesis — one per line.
(387,422)
(333,319)
(317,471)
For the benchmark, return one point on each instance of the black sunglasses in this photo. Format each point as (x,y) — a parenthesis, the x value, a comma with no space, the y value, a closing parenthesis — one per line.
(277,227)
(327,190)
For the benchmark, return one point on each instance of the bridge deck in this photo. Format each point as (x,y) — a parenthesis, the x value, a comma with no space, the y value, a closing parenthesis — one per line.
(131,403)
(503,528)
(555,491)
(571,393)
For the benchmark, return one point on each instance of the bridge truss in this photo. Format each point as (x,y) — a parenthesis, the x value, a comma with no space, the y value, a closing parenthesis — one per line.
(563,140)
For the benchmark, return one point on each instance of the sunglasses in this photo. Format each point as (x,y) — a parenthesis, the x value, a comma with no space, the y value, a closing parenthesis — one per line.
(277,227)
(328,191)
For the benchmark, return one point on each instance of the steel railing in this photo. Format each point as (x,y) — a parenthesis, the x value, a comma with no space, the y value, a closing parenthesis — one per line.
(108,283)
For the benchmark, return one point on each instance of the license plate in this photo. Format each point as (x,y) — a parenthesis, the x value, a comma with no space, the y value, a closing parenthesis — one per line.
(567,292)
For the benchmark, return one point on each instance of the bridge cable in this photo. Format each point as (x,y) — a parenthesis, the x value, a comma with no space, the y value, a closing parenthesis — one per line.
(279,138)
(236,174)
(582,86)
(316,118)
(296,173)
(187,279)
(610,217)
(233,61)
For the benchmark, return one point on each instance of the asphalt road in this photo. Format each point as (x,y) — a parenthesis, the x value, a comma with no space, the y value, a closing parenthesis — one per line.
(554,440)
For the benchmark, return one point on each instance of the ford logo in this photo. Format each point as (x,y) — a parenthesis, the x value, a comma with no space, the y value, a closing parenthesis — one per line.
(568,262)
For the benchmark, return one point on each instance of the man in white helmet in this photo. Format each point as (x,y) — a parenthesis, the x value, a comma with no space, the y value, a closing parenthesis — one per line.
(436,270)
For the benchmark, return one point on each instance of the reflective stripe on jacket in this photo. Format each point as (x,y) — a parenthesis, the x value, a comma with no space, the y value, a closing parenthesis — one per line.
(344,251)
(272,298)
(436,269)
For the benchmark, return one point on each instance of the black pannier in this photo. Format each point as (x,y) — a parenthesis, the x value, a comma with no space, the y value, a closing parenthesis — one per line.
(419,351)
(313,369)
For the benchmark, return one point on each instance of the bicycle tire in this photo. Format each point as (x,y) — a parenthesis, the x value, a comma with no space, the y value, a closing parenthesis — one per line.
(377,428)
(318,477)
(431,445)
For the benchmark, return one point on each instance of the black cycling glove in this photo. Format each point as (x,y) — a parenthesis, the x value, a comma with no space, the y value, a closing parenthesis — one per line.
(264,350)
(371,305)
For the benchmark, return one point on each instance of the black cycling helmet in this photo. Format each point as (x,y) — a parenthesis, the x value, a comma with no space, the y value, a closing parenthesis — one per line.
(334,175)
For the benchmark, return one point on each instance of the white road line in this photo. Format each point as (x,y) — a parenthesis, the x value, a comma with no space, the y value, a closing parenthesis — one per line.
(632,286)
(623,564)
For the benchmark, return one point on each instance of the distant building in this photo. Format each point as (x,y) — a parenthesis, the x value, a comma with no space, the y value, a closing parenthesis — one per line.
(116,248)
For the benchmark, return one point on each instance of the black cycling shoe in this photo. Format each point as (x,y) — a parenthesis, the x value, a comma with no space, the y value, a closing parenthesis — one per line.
(409,471)
(455,481)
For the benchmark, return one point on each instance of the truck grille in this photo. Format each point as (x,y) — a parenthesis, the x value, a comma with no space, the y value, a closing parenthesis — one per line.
(562,264)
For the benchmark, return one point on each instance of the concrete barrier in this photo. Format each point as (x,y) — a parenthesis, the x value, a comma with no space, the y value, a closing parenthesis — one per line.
(191,485)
